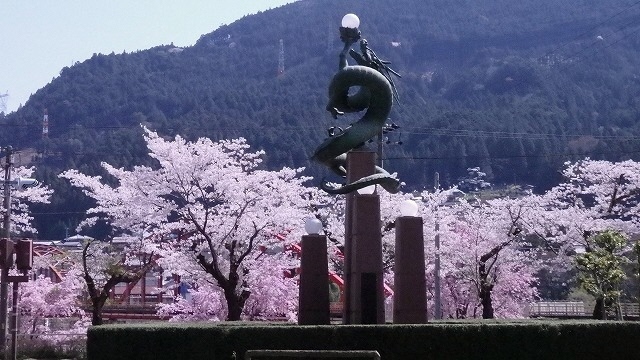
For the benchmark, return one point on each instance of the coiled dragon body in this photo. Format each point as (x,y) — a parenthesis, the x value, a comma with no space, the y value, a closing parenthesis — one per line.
(375,95)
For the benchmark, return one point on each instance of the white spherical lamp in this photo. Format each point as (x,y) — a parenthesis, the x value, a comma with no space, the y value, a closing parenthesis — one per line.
(350,21)
(313,226)
(408,208)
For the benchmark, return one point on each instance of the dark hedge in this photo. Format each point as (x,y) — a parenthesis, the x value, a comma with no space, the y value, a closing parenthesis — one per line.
(446,340)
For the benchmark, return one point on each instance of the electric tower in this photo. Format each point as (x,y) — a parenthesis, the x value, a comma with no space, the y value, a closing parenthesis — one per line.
(45,125)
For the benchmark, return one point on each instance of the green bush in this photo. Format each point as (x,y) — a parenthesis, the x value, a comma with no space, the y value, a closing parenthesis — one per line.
(38,348)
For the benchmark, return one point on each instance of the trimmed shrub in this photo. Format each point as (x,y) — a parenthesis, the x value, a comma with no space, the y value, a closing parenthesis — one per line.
(442,340)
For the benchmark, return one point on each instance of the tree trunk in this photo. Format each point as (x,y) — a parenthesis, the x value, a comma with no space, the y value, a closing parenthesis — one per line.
(234,307)
(96,316)
(235,301)
(96,311)
(599,311)
(485,287)
(485,300)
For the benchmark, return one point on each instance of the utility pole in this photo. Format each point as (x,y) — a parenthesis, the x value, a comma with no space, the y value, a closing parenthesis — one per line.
(437,300)
(380,149)
(4,271)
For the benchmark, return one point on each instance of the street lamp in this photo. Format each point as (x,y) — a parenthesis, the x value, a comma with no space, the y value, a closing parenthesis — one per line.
(350,21)
(408,208)
(313,226)
(349,32)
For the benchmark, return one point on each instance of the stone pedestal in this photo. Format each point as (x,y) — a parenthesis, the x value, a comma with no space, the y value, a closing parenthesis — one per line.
(313,301)
(364,286)
(409,301)
(367,283)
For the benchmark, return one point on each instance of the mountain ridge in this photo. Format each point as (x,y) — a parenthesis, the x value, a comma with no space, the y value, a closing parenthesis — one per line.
(514,88)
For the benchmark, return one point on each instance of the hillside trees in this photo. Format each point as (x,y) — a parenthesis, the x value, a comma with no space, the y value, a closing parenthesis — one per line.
(210,204)
(474,85)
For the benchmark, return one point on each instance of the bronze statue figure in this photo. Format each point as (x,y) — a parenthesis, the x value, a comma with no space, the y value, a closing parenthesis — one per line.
(375,95)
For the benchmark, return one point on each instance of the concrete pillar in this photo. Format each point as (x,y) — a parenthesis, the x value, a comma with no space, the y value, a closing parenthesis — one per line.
(409,301)
(313,300)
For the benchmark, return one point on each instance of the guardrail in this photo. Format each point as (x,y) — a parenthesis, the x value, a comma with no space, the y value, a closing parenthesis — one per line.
(575,309)
(557,308)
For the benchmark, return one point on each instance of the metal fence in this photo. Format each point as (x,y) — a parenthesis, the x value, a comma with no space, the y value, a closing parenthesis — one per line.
(575,309)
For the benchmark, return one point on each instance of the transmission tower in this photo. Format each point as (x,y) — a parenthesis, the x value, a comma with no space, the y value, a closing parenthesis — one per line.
(45,125)
(281,58)
(3,102)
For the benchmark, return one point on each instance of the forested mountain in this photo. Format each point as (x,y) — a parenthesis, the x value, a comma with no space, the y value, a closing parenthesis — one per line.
(514,87)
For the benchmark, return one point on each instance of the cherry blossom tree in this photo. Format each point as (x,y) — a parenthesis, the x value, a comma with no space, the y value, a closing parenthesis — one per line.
(211,208)
(51,313)
(596,196)
(42,298)
(273,296)
(611,189)
(104,267)
(21,219)
(487,267)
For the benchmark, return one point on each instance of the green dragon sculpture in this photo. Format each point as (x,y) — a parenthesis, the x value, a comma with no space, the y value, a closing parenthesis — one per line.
(376,93)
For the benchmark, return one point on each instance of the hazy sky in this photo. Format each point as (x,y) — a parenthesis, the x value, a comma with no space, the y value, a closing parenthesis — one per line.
(40,37)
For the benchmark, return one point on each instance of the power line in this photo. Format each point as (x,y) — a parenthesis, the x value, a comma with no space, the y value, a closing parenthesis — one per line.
(512,156)
(511,135)
(595,42)
(416,131)
(588,31)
